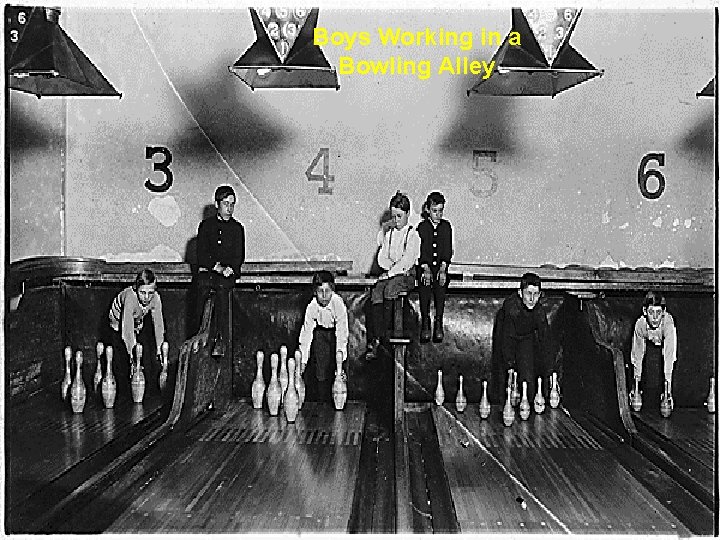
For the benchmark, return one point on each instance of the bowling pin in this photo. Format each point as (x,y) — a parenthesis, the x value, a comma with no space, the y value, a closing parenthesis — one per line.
(636,397)
(460,399)
(508,411)
(77,388)
(539,403)
(99,349)
(524,403)
(164,353)
(109,386)
(299,382)
(283,372)
(137,383)
(711,396)
(666,405)
(291,401)
(339,387)
(67,381)
(554,392)
(515,390)
(258,385)
(273,389)
(484,402)
(439,390)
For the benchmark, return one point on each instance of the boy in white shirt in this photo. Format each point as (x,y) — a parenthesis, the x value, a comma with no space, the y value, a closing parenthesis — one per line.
(324,333)
(398,256)
(657,326)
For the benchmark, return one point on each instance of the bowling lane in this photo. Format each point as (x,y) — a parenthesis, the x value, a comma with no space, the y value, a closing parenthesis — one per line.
(566,480)
(245,471)
(44,439)
(690,429)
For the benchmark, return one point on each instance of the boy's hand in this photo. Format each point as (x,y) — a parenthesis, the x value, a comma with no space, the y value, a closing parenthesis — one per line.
(384,275)
(427,276)
(217,268)
(387,225)
(442,278)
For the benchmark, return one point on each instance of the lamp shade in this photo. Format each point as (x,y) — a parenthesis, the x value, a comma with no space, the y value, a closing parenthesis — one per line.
(536,68)
(45,61)
(284,55)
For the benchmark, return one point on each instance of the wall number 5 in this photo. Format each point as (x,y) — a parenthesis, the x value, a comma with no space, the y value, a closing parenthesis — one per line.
(162,166)
(325,177)
(643,175)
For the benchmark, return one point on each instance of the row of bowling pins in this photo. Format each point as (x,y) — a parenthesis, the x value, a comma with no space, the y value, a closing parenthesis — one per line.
(106,386)
(288,387)
(666,400)
(514,397)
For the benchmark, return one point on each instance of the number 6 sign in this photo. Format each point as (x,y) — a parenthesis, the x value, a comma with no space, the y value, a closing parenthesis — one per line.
(643,175)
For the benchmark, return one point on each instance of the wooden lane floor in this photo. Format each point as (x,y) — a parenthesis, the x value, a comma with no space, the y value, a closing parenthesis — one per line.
(45,439)
(691,429)
(245,471)
(543,475)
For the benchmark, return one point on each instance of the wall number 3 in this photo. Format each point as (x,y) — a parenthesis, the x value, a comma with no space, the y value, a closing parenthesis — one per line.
(162,166)
(644,174)
(325,177)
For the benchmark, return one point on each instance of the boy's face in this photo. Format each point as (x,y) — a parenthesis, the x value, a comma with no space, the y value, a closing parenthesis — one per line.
(400,217)
(530,296)
(226,207)
(323,293)
(654,315)
(436,212)
(145,293)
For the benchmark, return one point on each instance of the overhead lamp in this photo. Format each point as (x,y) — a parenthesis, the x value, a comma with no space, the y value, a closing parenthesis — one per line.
(708,91)
(41,58)
(284,55)
(536,58)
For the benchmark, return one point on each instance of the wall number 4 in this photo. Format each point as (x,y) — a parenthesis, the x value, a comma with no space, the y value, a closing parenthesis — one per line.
(643,175)
(325,177)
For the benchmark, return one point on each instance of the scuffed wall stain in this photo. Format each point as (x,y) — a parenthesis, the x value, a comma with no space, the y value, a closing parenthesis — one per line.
(158,253)
(165,209)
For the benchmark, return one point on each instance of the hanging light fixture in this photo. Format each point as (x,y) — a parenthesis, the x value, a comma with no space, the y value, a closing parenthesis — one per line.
(284,55)
(41,58)
(536,58)
(708,91)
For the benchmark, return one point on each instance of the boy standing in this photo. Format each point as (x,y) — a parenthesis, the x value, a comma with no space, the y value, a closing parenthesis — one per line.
(324,333)
(657,326)
(525,332)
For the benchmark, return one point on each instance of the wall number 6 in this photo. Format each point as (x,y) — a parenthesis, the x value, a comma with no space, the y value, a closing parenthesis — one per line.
(643,175)
(163,166)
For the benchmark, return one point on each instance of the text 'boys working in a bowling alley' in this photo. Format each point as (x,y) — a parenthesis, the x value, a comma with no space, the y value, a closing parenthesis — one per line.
(525,333)
(398,255)
(126,321)
(323,336)
(657,326)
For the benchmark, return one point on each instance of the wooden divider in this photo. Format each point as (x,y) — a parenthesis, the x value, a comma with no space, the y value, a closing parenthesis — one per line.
(403,521)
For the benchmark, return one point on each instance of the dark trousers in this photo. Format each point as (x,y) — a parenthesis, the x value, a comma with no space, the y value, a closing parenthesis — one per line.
(382,296)
(427,293)
(653,375)
(320,370)
(529,366)
(212,281)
